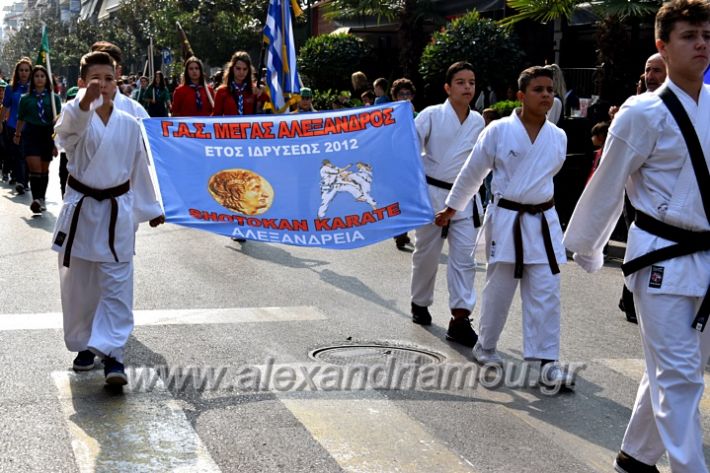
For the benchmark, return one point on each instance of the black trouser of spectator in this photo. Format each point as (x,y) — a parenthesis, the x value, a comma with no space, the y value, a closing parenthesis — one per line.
(8,165)
(15,154)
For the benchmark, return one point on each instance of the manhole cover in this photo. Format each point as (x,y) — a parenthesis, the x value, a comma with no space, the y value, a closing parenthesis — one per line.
(375,353)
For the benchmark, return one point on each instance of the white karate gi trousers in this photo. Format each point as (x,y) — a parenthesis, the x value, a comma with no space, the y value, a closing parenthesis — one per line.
(97,303)
(460,270)
(540,294)
(666,415)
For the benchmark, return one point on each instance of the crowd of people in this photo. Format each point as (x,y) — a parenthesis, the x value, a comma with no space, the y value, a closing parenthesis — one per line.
(485,173)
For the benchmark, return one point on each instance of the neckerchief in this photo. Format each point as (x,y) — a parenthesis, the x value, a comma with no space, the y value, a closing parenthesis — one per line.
(239,89)
(198,97)
(40,105)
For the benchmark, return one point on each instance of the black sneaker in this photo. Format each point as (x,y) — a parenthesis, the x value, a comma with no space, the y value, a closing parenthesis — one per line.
(626,464)
(402,241)
(84,361)
(420,315)
(460,331)
(36,206)
(20,188)
(114,372)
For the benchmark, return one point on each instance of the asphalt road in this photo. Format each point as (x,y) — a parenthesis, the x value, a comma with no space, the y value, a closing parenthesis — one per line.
(211,307)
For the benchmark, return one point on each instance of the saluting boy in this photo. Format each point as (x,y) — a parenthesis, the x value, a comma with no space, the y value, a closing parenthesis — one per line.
(109,192)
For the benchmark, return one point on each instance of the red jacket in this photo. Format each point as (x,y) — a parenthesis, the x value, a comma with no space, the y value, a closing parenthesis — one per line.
(224,103)
(185,104)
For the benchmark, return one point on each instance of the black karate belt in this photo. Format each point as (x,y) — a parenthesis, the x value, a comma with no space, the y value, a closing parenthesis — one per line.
(448,186)
(97,194)
(518,232)
(686,242)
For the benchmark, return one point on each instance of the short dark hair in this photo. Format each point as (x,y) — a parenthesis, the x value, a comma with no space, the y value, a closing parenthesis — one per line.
(400,84)
(457,67)
(600,129)
(692,11)
(380,82)
(108,48)
(97,58)
(531,73)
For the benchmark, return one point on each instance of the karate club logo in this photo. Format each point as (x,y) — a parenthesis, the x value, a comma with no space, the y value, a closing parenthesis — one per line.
(355,180)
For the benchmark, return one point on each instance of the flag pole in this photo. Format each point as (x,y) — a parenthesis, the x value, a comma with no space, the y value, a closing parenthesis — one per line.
(50,80)
(186,46)
(152,65)
(51,89)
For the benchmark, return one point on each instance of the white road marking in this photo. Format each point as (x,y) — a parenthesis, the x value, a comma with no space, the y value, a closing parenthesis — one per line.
(145,432)
(53,320)
(374,436)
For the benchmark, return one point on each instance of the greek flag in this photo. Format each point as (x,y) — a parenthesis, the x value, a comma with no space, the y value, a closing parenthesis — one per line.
(282,81)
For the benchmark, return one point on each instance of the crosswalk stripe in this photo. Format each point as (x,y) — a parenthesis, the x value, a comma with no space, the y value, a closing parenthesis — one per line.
(53,320)
(146,432)
(374,436)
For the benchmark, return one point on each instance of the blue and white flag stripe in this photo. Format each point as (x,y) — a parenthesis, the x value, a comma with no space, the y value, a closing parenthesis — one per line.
(281,74)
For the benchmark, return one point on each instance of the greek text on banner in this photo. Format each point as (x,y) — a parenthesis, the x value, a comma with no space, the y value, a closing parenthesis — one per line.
(340,179)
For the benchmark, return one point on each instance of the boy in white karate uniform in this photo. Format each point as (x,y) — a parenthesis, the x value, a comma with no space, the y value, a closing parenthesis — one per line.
(667,265)
(447,133)
(109,192)
(523,234)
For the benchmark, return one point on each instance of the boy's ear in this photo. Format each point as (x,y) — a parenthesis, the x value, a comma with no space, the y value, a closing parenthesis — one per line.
(520,95)
(447,88)
(81,83)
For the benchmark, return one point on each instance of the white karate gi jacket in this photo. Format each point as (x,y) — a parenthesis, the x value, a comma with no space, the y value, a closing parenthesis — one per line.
(104,156)
(130,106)
(645,152)
(523,173)
(444,152)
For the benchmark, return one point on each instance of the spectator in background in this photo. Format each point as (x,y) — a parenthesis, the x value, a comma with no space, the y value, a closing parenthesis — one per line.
(305,105)
(238,94)
(10,107)
(157,97)
(599,132)
(368,98)
(641,84)
(193,98)
(485,99)
(380,87)
(654,72)
(403,89)
(560,89)
(360,83)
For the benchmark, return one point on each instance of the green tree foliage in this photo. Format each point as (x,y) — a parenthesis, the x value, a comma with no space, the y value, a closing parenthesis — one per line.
(492,50)
(215,28)
(327,61)
(411,16)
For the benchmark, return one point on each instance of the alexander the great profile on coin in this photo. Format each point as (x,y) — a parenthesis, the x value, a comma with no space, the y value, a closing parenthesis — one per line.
(242,191)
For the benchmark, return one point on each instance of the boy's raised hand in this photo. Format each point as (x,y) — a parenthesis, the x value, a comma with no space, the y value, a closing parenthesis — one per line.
(93,92)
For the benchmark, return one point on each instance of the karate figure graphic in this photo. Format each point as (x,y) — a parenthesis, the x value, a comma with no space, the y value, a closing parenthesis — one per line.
(355,182)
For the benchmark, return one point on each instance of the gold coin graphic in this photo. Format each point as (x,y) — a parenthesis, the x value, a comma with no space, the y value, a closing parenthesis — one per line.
(241,190)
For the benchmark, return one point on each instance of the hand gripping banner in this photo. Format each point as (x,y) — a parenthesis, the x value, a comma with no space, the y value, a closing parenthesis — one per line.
(340,180)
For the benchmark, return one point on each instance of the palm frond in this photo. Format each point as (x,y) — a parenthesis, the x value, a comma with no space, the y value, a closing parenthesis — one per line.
(542,11)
